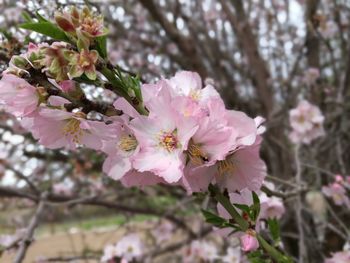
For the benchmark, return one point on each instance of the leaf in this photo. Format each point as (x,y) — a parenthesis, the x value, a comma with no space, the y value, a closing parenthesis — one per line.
(274,229)
(244,208)
(101,46)
(41,18)
(255,208)
(6,34)
(27,17)
(214,219)
(47,29)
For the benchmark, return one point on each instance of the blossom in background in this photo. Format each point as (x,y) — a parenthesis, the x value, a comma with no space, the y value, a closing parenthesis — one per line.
(19,97)
(127,249)
(339,257)
(9,241)
(311,75)
(337,191)
(63,188)
(163,232)
(328,29)
(306,121)
(233,255)
(199,251)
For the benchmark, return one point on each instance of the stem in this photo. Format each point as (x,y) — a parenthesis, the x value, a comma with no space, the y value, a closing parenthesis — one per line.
(273,252)
(118,88)
(225,202)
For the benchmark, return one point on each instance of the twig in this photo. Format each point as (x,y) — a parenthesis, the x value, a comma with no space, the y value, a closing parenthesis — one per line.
(301,244)
(27,240)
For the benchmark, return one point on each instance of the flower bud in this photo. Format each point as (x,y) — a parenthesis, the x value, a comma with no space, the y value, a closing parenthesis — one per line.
(71,88)
(249,241)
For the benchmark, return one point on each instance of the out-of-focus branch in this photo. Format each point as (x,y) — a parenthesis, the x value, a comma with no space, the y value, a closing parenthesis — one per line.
(27,240)
(185,44)
(249,46)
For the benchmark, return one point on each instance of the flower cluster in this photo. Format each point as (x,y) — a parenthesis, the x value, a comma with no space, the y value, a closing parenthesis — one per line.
(338,190)
(306,121)
(127,249)
(188,138)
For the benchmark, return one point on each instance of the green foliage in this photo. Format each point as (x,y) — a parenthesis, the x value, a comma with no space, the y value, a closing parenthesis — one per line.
(255,208)
(101,46)
(47,29)
(274,229)
(258,257)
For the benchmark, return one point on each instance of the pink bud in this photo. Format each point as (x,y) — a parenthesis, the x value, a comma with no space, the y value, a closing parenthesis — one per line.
(249,242)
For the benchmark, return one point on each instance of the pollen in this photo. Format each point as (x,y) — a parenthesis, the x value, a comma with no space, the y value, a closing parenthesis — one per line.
(196,154)
(195,94)
(128,143)
(168,140)
(72,129)
(225,166)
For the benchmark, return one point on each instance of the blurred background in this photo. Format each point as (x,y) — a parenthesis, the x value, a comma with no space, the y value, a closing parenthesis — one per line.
(263,56)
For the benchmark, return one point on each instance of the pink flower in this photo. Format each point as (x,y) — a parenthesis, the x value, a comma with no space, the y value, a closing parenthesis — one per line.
(307,123)
(163,137)
(338,193)
(249,241)
(189,84)
(233,255)
(63,188)
(339,257)
(19,97)
(109,253)
(129,247)
(311,75)
(271,207)
(242,169)
(57,128)
(200,251)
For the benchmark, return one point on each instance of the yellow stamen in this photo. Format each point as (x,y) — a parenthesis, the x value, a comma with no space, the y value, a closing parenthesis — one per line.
(72,128)
(197,156)
(128,143)
(225,166)
(169,141)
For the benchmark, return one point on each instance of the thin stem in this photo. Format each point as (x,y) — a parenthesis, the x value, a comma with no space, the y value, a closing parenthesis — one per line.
(273,252)
(225,202)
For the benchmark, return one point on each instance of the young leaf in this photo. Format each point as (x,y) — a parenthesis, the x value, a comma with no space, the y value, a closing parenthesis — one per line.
(47,29)
(242,207)
(274,229)
(213,219)
(101,46)
(41,18)
(255,208)
(26,16)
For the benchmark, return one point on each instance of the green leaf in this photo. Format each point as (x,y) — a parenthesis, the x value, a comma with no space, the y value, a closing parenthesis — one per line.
(41,18)
(27,17)
(101,46)
(214,219)
(47,29)
(255,208)
(244,208)
(6,34)
(274,229)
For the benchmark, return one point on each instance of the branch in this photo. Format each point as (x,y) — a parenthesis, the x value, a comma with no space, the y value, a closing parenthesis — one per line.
(27,240)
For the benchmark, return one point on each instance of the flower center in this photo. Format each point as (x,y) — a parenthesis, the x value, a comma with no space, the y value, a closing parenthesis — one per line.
(225,166)
(128,143)
(72,128)
(168,140)
(196,154)
(195,94)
